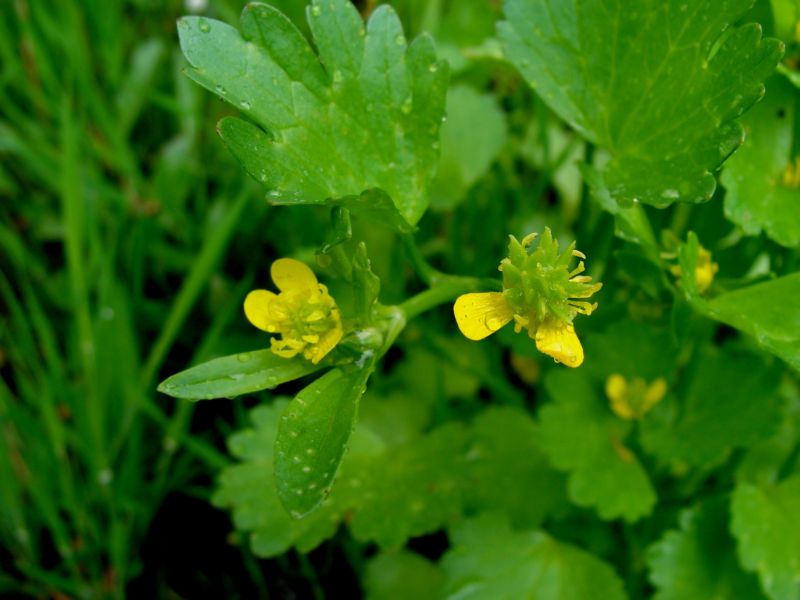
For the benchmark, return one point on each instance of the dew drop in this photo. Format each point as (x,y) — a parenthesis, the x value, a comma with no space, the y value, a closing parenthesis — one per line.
(493,323)
(728,146)
(306,469)
(670,194)
(244,356)
(274,194)
(433,67)
(406,106)
(337,76)
(316,11)
(220,90)
(245,105)
(204,26)
(296,459)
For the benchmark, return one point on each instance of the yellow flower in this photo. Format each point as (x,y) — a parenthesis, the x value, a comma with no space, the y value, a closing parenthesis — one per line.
(303,313)
(540,294)
(635,399)
(704,271)
(791,174)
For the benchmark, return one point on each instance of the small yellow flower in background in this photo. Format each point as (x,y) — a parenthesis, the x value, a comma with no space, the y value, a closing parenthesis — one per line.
(303,313)
(791,174)
(704,271)
(540,294)
(634,399)
(526,368)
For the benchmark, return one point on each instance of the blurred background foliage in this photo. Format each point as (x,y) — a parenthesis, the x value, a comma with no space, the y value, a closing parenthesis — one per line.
(128,239)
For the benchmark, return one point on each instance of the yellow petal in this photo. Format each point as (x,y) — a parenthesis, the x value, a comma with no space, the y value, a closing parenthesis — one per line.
(655,392)
(480,315)
(560,341)
(256,309)
(326,343)
(616,387)
(290,274)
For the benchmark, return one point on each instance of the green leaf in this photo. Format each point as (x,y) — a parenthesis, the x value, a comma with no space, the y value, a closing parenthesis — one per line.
(402,575)
(767,529)
(631,348)
(506,470)
(758,199)
(698,561)
(764,462)
(467,151)
(248,488)
(413,489)
(362,115)
(312,437)
(237,374)
(489,560)
(768,312)
(731,401)
(581,435)
(659,86)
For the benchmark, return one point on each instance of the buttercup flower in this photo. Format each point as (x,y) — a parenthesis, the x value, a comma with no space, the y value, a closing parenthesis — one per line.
(303,313)
(704,270)
(540,294)
(634,399)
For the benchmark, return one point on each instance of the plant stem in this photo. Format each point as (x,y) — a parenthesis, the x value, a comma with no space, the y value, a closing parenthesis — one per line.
(429,275)
(447,289)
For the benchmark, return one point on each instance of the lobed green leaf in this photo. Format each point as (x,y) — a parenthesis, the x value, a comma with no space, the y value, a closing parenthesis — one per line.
(767,311)
(489,560)
(767,530)
(581,435)
(698,561)
(758,197)
(658,85)
(360,116)
(717,411)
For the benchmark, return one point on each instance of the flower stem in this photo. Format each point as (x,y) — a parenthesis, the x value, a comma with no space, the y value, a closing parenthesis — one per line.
(426,272)
(447,289)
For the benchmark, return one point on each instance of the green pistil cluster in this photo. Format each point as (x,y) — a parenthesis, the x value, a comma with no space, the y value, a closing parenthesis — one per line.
(539,285)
